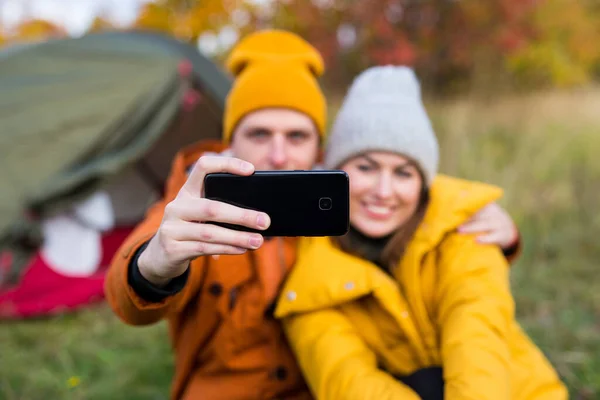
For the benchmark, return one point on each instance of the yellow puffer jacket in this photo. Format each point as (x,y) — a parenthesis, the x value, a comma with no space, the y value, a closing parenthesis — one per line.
(450,305)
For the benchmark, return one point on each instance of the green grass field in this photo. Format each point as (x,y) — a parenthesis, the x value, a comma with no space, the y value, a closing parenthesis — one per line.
(543,149)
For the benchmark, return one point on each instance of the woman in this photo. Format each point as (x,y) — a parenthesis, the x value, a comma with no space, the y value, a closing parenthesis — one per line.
(404,306)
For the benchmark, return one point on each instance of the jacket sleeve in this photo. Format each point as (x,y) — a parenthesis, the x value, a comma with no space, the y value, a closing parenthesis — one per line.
(513,252)
(475,312)
(336,362)
(129,306)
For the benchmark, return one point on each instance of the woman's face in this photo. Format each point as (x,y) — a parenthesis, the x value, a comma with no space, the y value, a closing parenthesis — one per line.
(385,189)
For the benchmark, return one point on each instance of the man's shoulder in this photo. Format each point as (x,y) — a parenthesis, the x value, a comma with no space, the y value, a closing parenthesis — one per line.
(185,159)
(193,152)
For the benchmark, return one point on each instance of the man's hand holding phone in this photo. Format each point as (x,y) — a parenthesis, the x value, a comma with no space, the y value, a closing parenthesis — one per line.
(186,231)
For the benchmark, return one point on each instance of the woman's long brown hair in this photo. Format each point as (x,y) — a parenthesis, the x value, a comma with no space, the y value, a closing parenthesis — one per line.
(395,247)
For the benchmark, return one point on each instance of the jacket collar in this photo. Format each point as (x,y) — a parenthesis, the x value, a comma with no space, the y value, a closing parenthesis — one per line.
(452,202)
(325,276)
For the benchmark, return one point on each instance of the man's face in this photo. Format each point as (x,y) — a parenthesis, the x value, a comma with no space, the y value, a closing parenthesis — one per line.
(276,139)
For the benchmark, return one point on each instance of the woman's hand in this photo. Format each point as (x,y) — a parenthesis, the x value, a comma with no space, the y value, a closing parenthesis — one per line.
(494,226)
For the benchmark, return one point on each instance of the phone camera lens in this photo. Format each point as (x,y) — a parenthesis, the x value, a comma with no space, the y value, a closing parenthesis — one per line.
(325,203)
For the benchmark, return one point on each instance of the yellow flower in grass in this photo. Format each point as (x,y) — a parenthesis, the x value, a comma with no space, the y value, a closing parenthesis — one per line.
(73,381)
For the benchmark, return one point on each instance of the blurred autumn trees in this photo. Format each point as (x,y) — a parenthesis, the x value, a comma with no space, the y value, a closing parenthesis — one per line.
(33,30)
(188,19)
(454,45)
(451,43)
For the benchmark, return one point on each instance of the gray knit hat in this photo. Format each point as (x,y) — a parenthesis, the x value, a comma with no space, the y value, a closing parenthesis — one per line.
(383,111)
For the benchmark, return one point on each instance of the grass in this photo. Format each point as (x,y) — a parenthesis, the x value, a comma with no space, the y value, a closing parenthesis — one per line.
(89,355)
(543,149)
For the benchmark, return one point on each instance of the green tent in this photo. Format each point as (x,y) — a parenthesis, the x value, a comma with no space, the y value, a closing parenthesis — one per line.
(102,110)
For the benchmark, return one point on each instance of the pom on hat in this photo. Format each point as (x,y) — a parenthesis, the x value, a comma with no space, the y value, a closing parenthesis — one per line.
(274,46)
(385,83)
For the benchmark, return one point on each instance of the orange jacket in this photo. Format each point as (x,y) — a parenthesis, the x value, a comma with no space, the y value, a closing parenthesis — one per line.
(226,345)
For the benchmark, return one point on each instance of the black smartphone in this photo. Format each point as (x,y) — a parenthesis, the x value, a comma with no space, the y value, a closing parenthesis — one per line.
(299,203)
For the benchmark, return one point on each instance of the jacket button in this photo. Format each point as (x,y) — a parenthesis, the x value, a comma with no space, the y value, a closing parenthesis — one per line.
(291,295)
(280,373)
(215,289)
(349,285)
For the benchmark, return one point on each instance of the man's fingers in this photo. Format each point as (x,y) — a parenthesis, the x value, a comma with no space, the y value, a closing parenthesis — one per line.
(186,250)
(209,233)
(475,226)
(489,238)
(489,209)
(211,164)
(205,210)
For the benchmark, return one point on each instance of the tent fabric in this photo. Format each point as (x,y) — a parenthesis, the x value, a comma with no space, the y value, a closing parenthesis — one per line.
(105,111)
(44,292)
(71,111)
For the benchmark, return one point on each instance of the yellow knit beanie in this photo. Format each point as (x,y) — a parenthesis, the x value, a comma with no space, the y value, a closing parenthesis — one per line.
(278,69)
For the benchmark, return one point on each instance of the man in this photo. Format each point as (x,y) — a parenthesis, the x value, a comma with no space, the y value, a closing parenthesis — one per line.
(217,296)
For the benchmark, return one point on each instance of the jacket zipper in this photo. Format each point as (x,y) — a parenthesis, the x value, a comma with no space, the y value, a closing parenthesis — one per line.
(281,253)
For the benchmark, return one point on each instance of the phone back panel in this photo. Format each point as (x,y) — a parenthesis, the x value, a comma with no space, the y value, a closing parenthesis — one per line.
(300,203)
